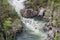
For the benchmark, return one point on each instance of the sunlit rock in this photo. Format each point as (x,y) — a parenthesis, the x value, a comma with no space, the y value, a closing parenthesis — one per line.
(41,12)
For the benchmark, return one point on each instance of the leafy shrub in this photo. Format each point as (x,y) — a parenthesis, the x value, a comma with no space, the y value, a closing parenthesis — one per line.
(56,36)
(7,24)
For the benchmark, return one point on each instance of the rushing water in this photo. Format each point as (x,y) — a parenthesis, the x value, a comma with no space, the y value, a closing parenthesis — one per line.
(33,29)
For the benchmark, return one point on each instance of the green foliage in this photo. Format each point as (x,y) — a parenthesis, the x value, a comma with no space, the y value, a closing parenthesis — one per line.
(35,4)
(56,3)
(7,24)
(1,36)
(7,15)
(13,14)
(5,2)
(6,11)
(56,36)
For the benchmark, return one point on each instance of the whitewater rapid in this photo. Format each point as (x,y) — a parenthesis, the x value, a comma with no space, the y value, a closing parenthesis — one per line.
(33,26)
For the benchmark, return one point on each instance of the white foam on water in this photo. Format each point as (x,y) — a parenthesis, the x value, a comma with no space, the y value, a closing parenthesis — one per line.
(31,24)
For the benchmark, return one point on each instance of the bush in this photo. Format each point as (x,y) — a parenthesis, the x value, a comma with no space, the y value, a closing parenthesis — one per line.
(56,36)
(7,24)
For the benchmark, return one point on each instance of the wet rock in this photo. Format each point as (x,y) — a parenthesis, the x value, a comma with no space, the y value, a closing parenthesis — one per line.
(45,28)
(41,12)
(28,13)
(51,34)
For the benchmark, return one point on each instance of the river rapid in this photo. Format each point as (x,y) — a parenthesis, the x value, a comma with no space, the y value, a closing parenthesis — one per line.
(33,29)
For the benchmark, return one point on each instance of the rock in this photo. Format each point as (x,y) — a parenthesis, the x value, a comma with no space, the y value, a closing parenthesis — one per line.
(51,34)
(46,29)
(41,12)
(28,13)
(17,26)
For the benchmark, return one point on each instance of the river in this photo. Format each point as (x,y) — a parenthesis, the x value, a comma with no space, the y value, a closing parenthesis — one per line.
(33,28)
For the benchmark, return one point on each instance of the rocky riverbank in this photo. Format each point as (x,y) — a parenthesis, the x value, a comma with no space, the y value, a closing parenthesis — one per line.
(29,12)
(51,32)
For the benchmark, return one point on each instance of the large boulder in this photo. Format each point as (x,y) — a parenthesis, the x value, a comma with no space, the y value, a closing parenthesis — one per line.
(28,13)
(41,12)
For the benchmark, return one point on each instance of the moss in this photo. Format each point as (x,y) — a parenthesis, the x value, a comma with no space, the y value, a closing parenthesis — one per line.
(56,36)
